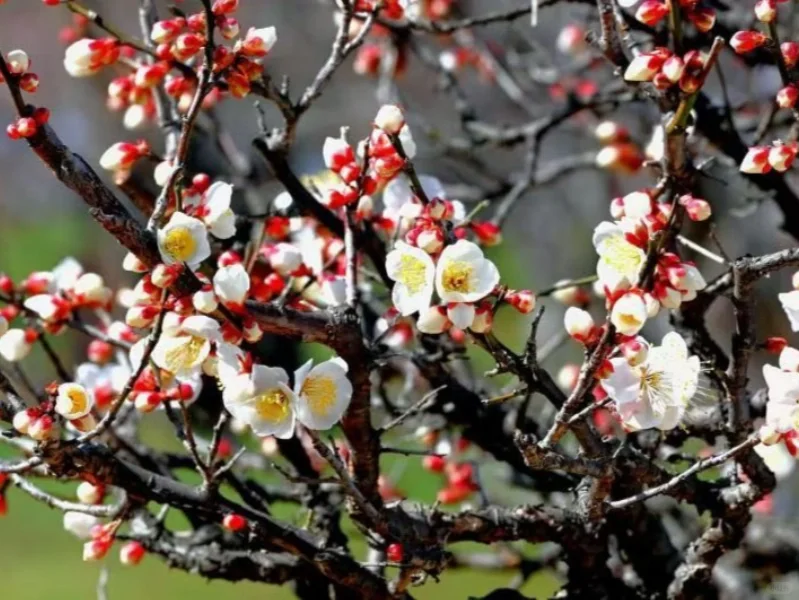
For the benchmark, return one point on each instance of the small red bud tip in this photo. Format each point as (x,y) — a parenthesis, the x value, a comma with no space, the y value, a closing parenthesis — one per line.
(201,182)
(234,522)
(434,464)
(41,115)
(131,554)
(775,345)
(3,506)
(395,552)
(51,2)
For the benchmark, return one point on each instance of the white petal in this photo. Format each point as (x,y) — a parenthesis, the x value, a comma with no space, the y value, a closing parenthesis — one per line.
(201,326)
(790,304)
(232,283)
(461,315)
(323,396)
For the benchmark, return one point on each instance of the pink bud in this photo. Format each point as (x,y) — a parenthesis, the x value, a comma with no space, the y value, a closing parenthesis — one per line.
(703,19)
(42,428)
(781,156)
(697,209)
(651,12)
(746,41)
(433,320)
(258,42)
(787,96)
(790,53)
(522,300)
(673,68)
(390,119)
(131,554)
(756,161)
(579,324)
(94,550)
(766,10)
(337,153)
(571,40)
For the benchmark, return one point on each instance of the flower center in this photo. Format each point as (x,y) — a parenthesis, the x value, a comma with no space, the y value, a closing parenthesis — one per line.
(320,393)
(78,399)
(629,320)
(621,255)
(457,276)
(180,244)
(411,273)
(184,356)
(273,406)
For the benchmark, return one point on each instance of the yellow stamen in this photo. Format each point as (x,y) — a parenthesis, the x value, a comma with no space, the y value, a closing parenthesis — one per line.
(184,355)
(180,244)
(320,393)
(457,276)
(621,255)
(78,399)
(273,406)
(411,273)
(629,320)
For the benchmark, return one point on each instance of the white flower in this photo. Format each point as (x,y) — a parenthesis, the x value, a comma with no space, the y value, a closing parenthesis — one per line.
(390,118)
(91,288)
(217,214)
(463,274)
(655,393)
(112,377)
(229,361)
(414,272)
(782,408)
(65,275)
(285,258)
(232,283)
(14,345)
(407,141)
(790,304)
(47,306)
(334,290)
(637,205)
(73,401)
(183,239)
(619,260)
(397,197)
(80,524)
(204,301)
(789,359)
(777,458)
(629,314)
(183,352)
(262,400)
(323,393)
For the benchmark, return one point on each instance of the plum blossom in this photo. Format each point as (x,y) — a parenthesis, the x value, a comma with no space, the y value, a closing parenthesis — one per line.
(323,393)
(183,351)
(656,392)
(620,262)
(184,239)
(413,271)
(263,400)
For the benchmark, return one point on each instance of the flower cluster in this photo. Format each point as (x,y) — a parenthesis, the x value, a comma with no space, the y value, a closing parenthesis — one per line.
(19,63)
(665,69)
(652,12)
(99,537)
(782,408)
(622,246)
(178,42)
